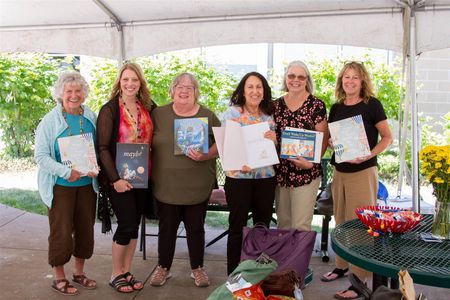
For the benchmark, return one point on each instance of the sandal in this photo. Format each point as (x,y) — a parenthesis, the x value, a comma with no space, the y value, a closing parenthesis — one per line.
(335,274)
(85,282)
(119,283)
(64,289)
(133,281)
(359,286)
(340,296)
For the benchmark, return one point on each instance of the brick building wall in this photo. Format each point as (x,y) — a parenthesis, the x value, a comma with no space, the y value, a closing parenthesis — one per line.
(433,83)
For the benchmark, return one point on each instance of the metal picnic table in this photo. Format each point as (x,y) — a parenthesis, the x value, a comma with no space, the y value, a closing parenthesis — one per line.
(428,263)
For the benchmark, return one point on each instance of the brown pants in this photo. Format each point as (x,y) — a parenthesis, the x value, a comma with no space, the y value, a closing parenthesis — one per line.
(71,220)
(352,190)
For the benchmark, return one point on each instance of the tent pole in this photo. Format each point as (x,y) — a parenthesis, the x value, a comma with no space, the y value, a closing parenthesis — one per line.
(119,25)
(414,118)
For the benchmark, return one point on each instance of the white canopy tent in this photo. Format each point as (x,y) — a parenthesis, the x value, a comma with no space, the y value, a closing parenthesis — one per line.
(123,29)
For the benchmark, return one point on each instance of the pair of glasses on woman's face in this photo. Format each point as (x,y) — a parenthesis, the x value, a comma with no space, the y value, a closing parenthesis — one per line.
(299,77)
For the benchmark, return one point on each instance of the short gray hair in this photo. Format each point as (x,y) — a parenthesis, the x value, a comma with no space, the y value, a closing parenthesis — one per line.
(177,81)
(69,77)
(309,81)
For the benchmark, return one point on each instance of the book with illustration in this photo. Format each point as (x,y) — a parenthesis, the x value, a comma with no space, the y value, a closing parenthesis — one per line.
(301,142)
(349,139)
(132,163)
(78,152)
(191,133)
(244,145)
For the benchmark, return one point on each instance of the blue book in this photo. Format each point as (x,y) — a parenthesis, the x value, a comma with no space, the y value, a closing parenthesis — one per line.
(301,142)
(132,164)
(190,133)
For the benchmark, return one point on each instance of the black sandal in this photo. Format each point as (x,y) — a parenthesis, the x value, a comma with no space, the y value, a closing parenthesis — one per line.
(119,282)
(359,286)
(133,281)
(351,288)
(339,272)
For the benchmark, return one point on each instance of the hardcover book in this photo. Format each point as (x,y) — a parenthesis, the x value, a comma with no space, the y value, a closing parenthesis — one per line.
(132,163)
(349,139)
(78,152)
(191,133)
(301,142)
(244,145)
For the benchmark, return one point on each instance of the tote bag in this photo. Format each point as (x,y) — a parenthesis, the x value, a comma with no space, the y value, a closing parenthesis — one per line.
(290,248)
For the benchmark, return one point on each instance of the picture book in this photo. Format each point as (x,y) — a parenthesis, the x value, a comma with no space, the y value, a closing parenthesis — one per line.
(78,152)
(244,145)
(132,163)
(191,133)
(301,142)
(349,139)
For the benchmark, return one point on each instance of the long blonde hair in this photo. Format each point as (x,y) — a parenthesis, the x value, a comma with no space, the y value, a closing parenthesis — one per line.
(366,83)
(143,94)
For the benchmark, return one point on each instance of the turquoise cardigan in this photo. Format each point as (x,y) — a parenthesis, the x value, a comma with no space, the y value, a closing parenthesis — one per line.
(51,126)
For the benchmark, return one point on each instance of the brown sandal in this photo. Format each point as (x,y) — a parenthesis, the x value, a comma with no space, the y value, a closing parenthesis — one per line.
(64,289)
(85,282)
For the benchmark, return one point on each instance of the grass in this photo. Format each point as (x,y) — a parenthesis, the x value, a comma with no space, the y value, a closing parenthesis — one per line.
(26,200)
(30,201)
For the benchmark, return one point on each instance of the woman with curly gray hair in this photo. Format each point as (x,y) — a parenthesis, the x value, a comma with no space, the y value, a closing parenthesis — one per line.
(69,194)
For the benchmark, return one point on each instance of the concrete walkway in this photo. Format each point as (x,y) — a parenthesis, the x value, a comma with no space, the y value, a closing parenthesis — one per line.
(25,274)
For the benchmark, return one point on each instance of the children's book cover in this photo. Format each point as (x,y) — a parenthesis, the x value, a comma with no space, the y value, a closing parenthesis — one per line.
(78,152)
(349,139)
(300,142)
(190,133)
(132,163)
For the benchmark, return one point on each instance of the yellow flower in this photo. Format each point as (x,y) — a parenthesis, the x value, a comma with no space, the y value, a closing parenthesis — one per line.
(438,165)
(438,180)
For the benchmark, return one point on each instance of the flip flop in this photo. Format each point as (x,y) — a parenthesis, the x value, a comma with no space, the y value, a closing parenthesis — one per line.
(359,286)
(351,288)
(339,272)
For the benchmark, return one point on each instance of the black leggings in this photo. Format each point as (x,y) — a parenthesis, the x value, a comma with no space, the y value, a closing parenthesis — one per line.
(128,208)
(243,196)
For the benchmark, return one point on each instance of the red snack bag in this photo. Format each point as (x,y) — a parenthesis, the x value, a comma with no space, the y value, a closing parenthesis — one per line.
(251,293)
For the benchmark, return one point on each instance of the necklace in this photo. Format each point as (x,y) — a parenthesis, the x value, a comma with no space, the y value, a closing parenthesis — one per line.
(80,120)
(136,121)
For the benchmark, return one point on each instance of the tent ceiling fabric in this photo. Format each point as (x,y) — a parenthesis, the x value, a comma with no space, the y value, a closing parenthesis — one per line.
(154,26)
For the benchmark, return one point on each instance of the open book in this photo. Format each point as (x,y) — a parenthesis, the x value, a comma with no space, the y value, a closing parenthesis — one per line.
(132,163)
(301,142)
(349,139)
(244,145)
(78,152)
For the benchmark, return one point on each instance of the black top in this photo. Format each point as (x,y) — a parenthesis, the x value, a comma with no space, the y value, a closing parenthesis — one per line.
(108,123)
(372,113)
(311,113)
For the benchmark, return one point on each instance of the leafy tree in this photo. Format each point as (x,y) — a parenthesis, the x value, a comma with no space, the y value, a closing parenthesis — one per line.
(159,70)
(25,97)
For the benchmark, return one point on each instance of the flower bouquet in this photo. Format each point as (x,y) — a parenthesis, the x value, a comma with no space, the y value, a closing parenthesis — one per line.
(436,167)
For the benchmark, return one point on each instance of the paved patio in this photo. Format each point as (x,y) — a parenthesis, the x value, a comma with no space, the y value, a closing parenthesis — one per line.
(25,274)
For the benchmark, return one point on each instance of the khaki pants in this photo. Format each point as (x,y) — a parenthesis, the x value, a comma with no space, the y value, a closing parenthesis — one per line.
(352,190)
(295,205)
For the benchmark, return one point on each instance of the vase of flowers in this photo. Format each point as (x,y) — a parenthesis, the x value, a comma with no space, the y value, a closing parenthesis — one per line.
(436,167)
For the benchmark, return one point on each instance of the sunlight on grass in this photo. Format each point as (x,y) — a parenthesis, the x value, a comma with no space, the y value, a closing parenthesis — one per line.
(26,200)
(30,201)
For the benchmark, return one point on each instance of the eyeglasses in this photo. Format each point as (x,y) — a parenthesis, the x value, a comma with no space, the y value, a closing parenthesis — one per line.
(299,77)
(189,88)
